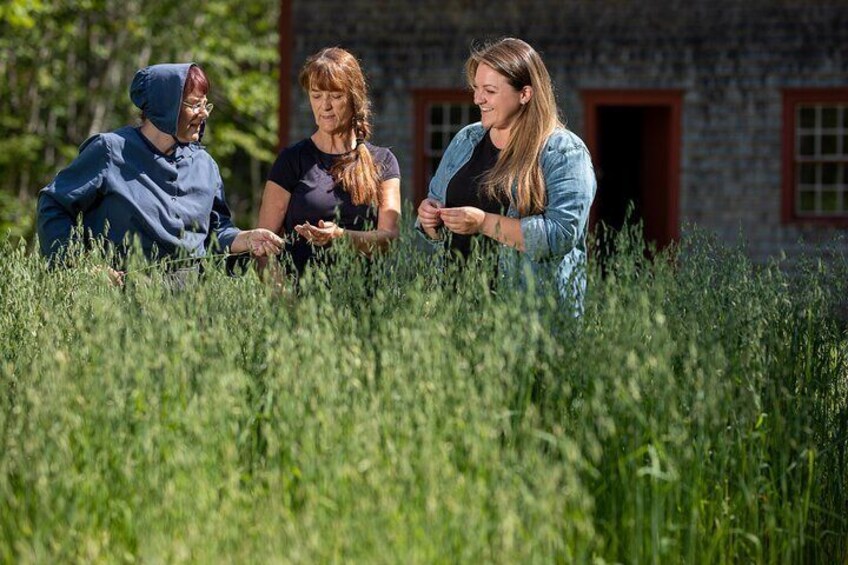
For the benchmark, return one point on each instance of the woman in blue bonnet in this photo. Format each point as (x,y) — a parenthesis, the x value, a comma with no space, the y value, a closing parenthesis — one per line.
(517,177)
(154,183)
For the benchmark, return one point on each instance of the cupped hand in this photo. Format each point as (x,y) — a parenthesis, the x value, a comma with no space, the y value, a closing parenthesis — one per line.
(115,278)
(319,235)
(463,219)
(429,217)
(261,242)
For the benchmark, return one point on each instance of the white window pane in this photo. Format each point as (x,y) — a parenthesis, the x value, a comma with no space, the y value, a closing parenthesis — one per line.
(807,117)
(829,117)
(807,201)
(829,201)
(821,150)
(828,145)
(807,173)
(829,173)
(436,112)
(807,145)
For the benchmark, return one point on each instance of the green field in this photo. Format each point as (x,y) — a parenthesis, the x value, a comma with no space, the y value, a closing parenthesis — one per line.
(697,413)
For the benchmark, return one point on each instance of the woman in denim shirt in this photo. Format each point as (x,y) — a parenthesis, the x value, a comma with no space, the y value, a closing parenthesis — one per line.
(521,156)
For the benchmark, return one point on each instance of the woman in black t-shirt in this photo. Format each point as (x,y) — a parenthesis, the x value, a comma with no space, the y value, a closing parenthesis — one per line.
(334,183)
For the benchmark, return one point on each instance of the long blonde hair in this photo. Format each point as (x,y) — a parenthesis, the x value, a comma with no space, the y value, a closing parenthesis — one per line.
(335,69)
(519,162)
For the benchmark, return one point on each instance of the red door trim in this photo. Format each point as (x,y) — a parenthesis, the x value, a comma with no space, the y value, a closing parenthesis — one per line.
(672,99)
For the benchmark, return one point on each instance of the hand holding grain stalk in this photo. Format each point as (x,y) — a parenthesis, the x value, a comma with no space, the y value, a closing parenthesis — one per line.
(428,217)
(115,277)
(463,219)
(258,242)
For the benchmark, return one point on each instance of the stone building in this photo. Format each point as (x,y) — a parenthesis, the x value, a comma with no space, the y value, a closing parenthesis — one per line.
(728,114)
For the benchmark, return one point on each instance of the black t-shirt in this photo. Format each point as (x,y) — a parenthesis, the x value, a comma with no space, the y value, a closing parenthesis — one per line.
(465,189)
(304,171)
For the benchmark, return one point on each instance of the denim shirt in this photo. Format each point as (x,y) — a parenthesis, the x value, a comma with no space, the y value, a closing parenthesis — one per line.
(555,240)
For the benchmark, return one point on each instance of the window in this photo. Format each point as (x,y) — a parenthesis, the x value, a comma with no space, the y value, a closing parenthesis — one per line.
(439,115)
(815,174)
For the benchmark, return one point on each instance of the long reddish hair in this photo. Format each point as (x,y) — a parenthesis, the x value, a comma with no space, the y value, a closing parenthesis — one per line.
(335,69)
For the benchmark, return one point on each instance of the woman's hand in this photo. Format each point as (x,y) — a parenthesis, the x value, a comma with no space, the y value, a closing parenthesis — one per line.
(463,220)
(428,217)
(260,242)
(115,278)
(319,235)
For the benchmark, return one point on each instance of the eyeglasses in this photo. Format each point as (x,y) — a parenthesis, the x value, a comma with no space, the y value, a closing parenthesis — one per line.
(196,108)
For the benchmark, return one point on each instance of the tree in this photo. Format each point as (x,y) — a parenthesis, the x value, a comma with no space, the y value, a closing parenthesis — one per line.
(68,65)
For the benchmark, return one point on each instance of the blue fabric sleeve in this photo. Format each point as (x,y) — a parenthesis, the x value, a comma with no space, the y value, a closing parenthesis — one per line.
(220,220)
(570,183)
(74,191)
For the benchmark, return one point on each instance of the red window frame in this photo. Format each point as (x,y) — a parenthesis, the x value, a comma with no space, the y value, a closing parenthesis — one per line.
(424,99)
(791,99)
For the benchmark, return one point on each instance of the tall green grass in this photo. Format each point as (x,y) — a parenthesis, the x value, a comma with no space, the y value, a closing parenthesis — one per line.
(696,413)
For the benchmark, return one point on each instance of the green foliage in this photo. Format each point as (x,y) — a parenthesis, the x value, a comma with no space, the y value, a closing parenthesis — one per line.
(395,412)
(16,218)
(67,66)
(20,13)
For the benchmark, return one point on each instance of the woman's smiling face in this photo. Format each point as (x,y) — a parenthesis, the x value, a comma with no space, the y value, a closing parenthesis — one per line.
(188,127)
(499,102)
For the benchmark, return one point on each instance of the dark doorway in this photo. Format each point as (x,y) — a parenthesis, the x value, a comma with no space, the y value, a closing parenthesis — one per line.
(631,163)
(634,138)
